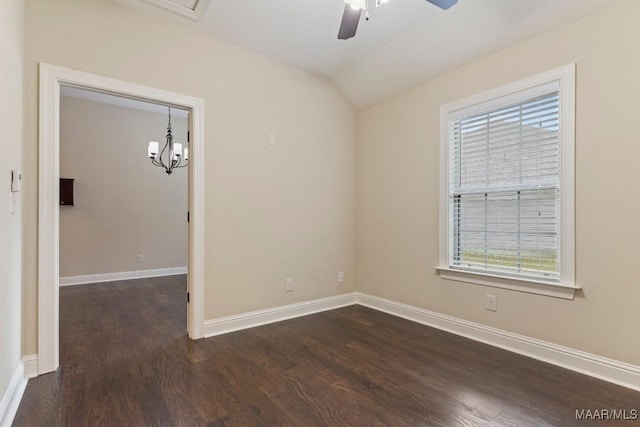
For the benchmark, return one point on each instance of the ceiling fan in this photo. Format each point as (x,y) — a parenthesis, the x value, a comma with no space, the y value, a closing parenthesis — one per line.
(353,10)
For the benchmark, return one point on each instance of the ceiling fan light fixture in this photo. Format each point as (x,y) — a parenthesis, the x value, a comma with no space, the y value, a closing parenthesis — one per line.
(353,11)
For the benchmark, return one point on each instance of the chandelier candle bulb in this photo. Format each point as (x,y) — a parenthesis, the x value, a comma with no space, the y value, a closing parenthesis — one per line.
(177,150)
(153,149)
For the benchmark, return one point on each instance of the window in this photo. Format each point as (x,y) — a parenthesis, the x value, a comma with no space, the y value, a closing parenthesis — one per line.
(507,190)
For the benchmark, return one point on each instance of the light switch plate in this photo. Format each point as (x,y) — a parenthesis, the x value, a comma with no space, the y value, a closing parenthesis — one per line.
(16,180)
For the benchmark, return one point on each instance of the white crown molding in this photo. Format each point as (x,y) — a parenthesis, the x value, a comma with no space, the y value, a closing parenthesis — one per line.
(195,14)
(609,370)
(12,396)
(124,275)
(252,319)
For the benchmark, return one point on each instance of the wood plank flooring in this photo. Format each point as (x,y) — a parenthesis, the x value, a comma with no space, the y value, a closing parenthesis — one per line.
(126,361)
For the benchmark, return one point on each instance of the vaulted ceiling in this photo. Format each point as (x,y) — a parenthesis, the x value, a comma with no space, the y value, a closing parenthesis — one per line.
(404,42)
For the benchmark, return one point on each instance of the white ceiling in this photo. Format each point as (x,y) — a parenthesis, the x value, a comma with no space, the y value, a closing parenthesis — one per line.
(404,42)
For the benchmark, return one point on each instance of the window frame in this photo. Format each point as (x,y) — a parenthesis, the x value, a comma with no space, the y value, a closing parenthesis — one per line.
(565,287)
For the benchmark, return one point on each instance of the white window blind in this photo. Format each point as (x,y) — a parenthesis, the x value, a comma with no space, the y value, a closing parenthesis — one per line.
(504,188)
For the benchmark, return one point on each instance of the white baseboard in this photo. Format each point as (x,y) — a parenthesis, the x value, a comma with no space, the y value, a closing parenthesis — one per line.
(12,396)
(227,324)
(30,363)
(599,367)
(125,275)
(609,370)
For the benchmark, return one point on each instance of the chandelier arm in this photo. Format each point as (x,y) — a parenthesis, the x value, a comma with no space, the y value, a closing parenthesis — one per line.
(162,152)
(156,162)
(181,163)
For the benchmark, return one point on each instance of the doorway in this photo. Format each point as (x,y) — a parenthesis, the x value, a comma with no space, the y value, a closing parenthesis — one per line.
(52,78)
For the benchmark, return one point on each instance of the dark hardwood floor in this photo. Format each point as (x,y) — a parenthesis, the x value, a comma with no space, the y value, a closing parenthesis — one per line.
(126,361)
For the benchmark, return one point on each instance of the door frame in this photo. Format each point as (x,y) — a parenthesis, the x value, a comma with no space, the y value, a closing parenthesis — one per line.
(51,78)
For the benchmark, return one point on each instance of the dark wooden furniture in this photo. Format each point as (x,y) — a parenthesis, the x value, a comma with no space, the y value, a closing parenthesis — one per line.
(66,191)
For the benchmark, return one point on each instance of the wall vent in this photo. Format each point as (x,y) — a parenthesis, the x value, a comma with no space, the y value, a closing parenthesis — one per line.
(192,9)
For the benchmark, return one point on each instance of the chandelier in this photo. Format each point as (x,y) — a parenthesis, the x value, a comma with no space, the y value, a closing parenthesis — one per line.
(171,157)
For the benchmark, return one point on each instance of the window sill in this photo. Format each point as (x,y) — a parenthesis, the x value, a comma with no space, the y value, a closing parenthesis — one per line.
(551,289)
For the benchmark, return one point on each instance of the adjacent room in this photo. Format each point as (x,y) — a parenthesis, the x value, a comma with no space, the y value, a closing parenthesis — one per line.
(123,226)
(399,213)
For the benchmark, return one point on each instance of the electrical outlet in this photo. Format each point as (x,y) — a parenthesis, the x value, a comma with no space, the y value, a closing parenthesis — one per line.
(492,303)
(341,277)
(140,259)
(288,285)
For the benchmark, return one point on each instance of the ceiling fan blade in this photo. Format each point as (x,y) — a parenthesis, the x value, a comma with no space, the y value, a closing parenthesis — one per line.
(443,4)
(349,24)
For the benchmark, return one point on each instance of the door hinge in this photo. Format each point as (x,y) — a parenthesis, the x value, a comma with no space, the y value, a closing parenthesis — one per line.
(188,136)
(188,216)
(188,298)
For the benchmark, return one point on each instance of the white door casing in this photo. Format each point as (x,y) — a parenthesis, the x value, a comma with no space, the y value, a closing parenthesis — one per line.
(51,77)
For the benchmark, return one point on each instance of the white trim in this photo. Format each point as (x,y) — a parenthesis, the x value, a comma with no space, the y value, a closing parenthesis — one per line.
(195,14)
(495,98)
(30,362)
(119,101)
(196,258)
(565,76)
(513,88)
(123,275)
(592,365)
(48,219)
(252,319)
(51,77)
(610,370)
(567,178)
(539,287)
(12,396)
(201,8)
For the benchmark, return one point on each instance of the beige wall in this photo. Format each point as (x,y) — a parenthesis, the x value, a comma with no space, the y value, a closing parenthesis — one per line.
(289,210)
(124,206)
(11,123)
(398,155)
(272,212)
